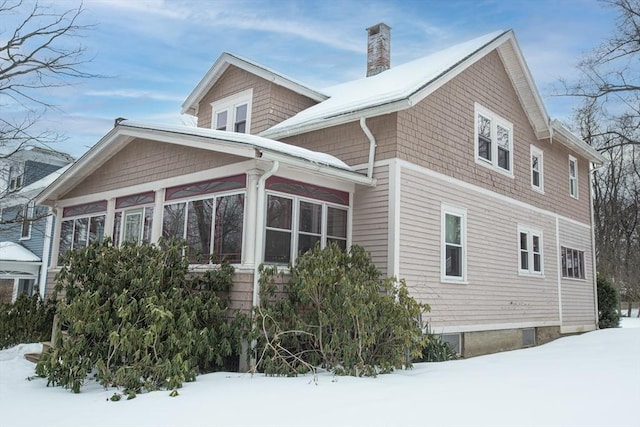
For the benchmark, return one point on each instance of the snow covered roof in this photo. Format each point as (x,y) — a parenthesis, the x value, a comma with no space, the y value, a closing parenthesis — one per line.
(239,144)
(10,251)
(190,105)
(29,192)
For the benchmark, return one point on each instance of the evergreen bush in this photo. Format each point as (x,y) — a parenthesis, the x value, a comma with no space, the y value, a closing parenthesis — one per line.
(608,316)
(337,312)
(136,318)
(437,350)
(28,319)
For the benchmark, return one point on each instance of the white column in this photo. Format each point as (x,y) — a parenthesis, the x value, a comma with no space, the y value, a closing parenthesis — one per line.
(251,203)
(156,225)
(109,217)
(56,236)
(46,251)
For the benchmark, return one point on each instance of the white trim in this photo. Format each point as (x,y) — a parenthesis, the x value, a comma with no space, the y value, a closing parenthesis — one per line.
(230,104)
(46,251)
(575,194)
(445,210)
(530,232)
(594,271)
(483,191)
(496,121)
(393,220)
(537,152)
(572,329)
(559,267)
(491,327)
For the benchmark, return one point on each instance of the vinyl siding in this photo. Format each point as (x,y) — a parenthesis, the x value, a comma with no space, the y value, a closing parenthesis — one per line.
(494,293)
(144,161)
(578,299)
(371,218)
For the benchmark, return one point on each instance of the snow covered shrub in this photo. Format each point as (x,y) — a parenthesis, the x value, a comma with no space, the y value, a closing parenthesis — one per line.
(437,350)
(136,318)
(28,319)
(337,312)
(608,316)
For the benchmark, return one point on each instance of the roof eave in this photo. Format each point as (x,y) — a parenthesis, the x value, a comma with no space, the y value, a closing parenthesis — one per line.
(571,141)
(190,105)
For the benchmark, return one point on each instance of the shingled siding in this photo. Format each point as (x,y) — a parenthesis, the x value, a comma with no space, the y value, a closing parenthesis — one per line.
(578,296)
(271,104)
(495,293)
(438,133)
(371,218)
(144,161)
(349,143)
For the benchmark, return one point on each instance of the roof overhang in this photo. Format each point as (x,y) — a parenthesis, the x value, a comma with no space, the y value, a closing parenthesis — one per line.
(190,105)
(573,142)
(241,145)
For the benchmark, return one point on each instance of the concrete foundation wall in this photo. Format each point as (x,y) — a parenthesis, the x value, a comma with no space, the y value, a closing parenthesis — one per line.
(487,342)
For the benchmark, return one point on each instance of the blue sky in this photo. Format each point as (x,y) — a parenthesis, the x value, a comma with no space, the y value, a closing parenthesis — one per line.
(154,52)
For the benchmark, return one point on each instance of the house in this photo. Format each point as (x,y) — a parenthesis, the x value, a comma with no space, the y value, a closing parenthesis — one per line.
(447,169)
(25,228)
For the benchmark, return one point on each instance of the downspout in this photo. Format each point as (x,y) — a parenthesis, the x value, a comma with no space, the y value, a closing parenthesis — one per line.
(259,235)
(372,145)
(593,243)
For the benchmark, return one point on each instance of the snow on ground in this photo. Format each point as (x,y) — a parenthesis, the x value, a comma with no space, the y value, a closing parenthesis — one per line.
(587,380)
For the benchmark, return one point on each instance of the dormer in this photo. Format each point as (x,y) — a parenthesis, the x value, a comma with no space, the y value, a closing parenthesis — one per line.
(242,96)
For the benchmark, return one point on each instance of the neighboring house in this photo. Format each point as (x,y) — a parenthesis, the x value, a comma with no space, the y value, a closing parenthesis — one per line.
(447,169)
(25,228)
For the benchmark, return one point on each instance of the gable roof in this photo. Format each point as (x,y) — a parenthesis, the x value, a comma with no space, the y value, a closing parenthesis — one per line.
(238,144)
(190,105)
(406,85)
(10,251)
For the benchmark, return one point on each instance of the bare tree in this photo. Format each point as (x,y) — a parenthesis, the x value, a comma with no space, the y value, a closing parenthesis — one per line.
(37,52)
(609,120)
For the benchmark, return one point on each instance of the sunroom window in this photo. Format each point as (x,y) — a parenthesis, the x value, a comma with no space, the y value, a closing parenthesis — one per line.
(82,225)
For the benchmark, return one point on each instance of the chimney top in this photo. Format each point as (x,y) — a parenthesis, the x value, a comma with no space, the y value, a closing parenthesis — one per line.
(378,49)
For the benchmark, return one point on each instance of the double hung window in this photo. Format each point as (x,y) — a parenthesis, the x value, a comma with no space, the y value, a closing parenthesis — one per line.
(530,248)
(537,169)
(454,251)
(573,177)
(493,141)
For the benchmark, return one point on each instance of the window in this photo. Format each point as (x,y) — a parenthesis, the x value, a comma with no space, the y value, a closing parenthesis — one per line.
(572,263)
(573,177)
(26,287)
(133,218)
(27,217)
(537,164)
(530,243)
(493,141)
(81,225)
(453,256)
(210,226)
(233,113)
(293,222)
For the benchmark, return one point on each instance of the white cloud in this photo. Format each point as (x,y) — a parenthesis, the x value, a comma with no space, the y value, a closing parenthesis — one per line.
(132,93)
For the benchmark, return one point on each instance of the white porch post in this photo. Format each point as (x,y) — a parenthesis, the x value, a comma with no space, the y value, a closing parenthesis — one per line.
(56,236)
(156,225)
(46,251)
(249,245)
(109,218)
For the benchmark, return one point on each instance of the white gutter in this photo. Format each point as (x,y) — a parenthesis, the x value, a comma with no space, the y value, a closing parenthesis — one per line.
(593,244)
(372,145)
(259,235)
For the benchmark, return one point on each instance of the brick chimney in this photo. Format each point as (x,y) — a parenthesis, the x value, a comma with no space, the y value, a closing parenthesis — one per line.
(378,49)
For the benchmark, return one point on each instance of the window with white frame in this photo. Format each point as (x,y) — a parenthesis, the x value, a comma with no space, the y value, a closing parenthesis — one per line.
(27,220)
(133,218)
(233,113)
(81,225)
(537,169)
(295,225)
(493,141)
(572,263)
(530,244)
(209,216)
(573,177)
(454,250)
